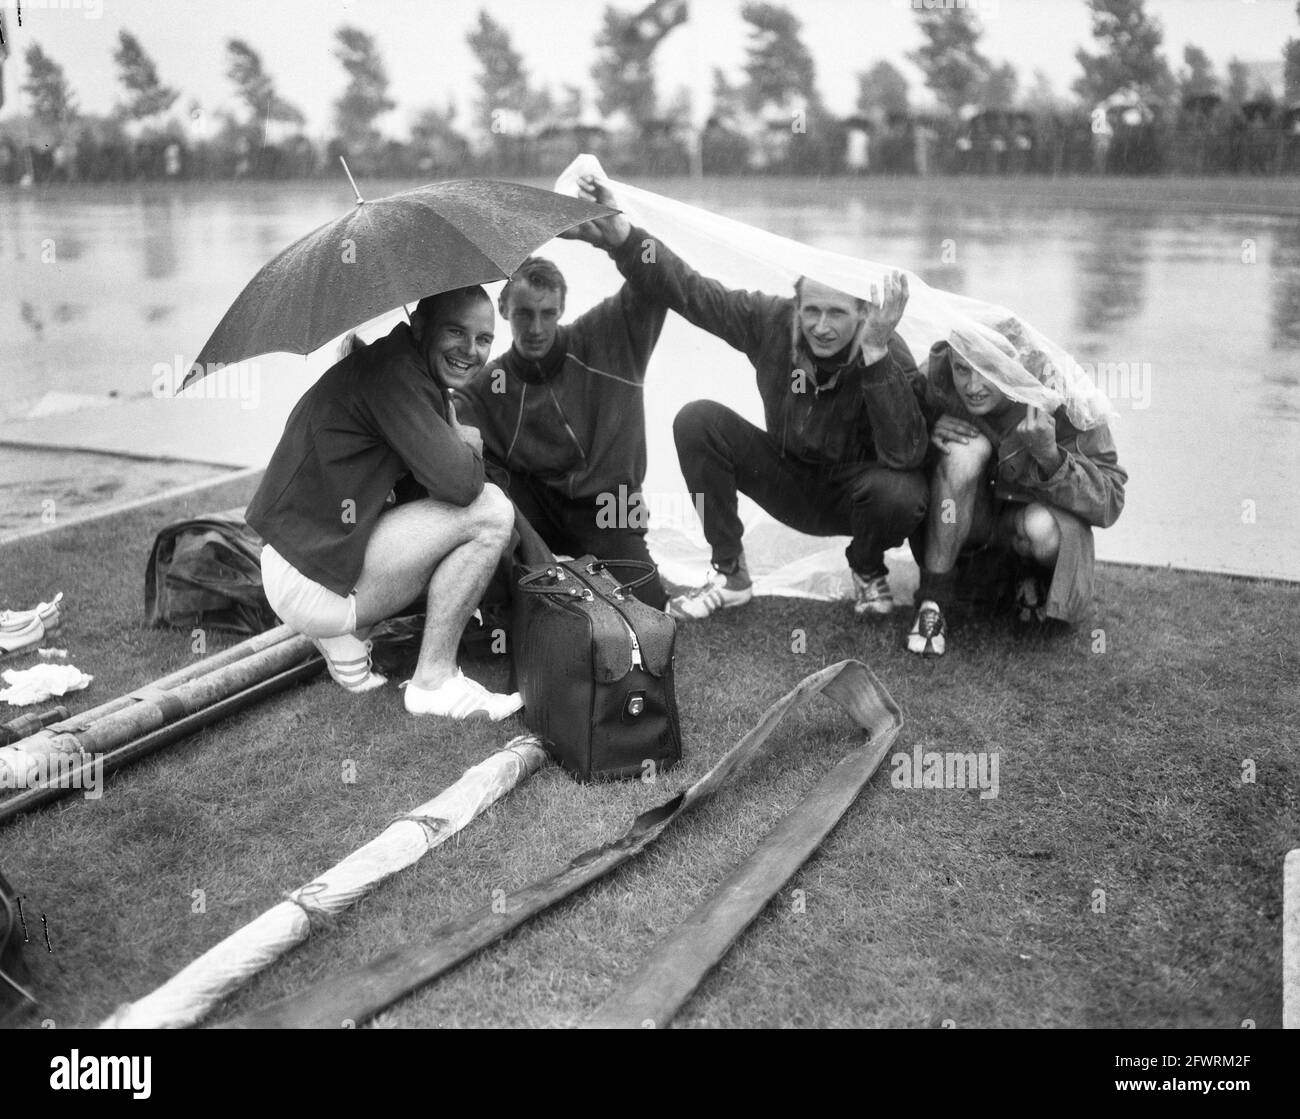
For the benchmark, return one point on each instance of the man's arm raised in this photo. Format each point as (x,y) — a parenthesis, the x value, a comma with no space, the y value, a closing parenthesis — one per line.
(742,319)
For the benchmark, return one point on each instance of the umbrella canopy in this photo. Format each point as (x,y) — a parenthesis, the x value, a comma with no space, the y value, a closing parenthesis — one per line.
(385,253)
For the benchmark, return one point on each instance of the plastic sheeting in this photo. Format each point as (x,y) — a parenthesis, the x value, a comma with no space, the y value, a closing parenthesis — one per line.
(743,256)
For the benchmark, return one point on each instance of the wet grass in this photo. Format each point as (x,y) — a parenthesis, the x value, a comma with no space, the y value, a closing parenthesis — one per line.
(1120,771)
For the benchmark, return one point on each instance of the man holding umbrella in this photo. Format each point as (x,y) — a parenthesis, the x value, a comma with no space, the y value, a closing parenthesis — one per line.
(338,557)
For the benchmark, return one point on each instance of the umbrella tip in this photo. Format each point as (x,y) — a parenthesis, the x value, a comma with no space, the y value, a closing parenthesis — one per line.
(353,181)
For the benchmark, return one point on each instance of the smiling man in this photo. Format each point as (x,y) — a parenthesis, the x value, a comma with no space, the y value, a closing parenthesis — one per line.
(338,557)
(844,439)
(562,416)
(1015,490)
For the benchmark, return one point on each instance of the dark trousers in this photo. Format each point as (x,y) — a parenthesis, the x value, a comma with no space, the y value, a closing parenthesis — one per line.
(722,454)
(577,527)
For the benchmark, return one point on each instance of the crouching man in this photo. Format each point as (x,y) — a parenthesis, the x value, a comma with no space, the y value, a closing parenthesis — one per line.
(338,557)
(562,413)
(844,437)
(1014,490)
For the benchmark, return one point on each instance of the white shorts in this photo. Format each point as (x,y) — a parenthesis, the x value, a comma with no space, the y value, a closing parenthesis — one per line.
(302,603)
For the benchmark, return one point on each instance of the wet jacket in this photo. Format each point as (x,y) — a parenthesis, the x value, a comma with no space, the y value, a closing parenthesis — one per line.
(817,413)
(1085,491)
(376,416)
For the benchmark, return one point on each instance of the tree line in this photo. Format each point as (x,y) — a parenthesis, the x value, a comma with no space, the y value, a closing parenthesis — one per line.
(1131,112)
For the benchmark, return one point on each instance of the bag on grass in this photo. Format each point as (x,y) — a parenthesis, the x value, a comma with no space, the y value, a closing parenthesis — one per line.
(594,665)
(207,571)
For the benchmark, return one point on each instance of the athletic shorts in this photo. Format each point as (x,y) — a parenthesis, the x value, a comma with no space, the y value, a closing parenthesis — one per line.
(302,603)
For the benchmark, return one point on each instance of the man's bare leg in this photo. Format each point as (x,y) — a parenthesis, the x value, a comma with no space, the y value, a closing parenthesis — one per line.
(959,511)
(1033,533)
(443,551)
(954,490)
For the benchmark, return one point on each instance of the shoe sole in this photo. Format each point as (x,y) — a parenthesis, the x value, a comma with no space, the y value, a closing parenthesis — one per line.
(681,616)
(862,611)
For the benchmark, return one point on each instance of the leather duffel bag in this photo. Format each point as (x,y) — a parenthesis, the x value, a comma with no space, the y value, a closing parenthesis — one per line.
(594,665)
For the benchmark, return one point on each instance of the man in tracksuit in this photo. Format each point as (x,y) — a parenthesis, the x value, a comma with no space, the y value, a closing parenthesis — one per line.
(845,438)
(562,416)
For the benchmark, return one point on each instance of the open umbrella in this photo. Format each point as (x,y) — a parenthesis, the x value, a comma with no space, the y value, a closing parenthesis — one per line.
(392,251)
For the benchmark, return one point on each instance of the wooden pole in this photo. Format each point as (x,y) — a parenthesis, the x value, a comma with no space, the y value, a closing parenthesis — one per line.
(254,644)
(123,756)
(153,707)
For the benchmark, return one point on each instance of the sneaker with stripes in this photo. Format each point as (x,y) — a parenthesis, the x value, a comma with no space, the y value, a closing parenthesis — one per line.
(348,660)
(460,698)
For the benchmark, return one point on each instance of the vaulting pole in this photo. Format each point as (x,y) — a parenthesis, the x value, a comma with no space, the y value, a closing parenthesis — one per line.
(146,710)
(84,775)
(192,992)
(357,995)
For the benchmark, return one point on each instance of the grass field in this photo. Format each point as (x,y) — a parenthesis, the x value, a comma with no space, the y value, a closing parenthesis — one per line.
(1120,771)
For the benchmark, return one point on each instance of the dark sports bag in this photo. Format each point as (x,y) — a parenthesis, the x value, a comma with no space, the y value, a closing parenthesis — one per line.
(207,571)
(594,665)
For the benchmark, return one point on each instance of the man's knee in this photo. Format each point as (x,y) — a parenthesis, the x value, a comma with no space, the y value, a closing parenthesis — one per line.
(902,492)
(694,420)
(494,514)
(965,463)
(1039,535)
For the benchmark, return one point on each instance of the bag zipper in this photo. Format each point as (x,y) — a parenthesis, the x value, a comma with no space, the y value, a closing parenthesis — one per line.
(637,662)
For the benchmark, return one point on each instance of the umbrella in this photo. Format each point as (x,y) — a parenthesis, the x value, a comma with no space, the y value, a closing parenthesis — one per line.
(385,253)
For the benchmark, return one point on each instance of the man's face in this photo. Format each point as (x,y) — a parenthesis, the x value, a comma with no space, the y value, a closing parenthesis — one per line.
(829,318)
(458,339)
(979,395)
(534,315)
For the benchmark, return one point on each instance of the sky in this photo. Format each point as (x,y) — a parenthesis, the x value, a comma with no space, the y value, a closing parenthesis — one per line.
(423,43)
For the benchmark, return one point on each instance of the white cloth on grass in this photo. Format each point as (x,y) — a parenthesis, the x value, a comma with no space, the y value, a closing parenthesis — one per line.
(26,686)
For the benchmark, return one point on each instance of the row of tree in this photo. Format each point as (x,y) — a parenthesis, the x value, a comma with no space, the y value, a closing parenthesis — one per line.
(519,125)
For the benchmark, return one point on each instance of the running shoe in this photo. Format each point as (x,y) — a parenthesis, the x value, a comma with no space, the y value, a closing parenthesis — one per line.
(696,605)
(460,698)
(927,636)
(348,661)
(1031,599)
(874,598)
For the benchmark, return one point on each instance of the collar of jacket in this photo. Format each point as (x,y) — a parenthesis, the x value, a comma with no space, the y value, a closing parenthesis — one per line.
(825,373)
(539,372)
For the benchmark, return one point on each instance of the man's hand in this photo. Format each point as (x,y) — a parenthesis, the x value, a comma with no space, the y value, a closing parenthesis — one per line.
(1038,429)
(605,233)
(950,429)
(470,436)
(888,302)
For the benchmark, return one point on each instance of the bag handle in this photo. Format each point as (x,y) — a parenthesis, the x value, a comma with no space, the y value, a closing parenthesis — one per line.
(557,573)
(649,571)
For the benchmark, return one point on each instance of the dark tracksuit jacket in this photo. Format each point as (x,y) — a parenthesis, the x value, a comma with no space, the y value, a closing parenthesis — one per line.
(574,421)
(375,417)
(854,414)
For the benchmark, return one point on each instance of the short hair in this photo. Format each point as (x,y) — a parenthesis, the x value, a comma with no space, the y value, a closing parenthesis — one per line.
(798,293)
(432,305)
(536,272)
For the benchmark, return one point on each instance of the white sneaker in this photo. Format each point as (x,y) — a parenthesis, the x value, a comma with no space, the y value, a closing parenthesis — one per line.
(348,661)
(874,598)
(461,698)
(927,637)
(21,629)
(714,595)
